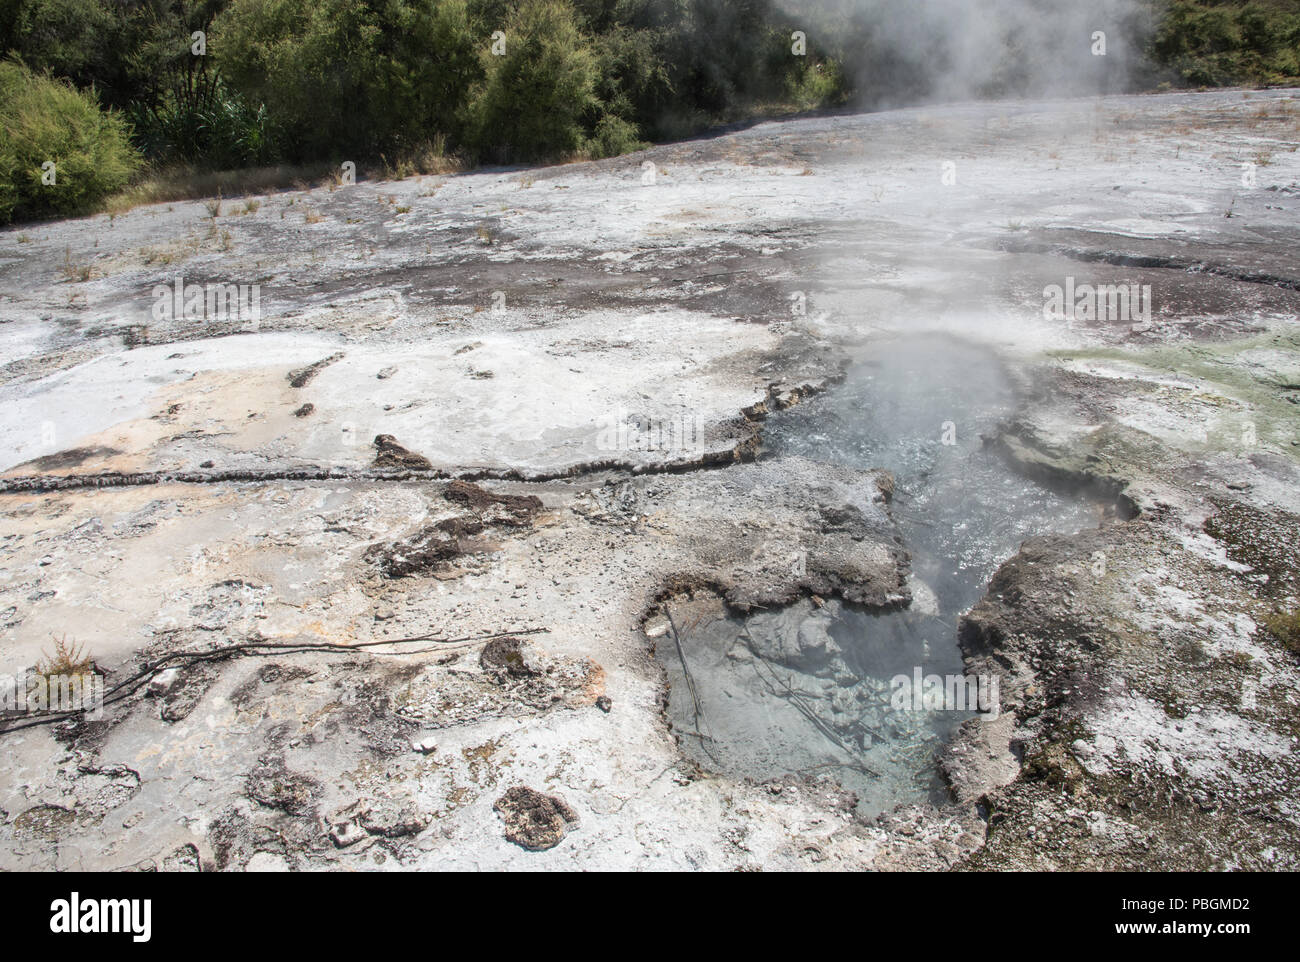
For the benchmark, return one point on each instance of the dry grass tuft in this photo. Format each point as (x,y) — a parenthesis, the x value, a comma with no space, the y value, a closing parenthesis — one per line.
(75,270)
(69,658)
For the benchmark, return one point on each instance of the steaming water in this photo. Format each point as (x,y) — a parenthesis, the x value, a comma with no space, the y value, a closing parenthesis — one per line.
(807,690)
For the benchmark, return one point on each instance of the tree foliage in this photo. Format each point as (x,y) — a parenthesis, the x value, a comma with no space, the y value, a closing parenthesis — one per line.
(314,81)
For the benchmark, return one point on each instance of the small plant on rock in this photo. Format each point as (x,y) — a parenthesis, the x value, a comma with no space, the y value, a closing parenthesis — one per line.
(1285,627)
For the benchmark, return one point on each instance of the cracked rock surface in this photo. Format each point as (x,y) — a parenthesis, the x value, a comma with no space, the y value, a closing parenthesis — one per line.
(452,563)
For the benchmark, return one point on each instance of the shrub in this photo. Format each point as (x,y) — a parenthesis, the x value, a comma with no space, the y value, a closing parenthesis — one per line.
(217,129)
(1285,627)
(634,81)
(67,38)
(534,99)
(69,658)
(1207,43)
(614,136)
(818,85)
(349,78)
(48,120)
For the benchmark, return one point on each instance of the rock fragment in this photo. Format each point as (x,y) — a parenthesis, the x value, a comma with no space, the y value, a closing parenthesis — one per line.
(272,785)
(300,376)
(392,820)
(162,683)
(505,657)
(509,509)
(534,821)
(349,833)
(656,627)
(427,549)
(393,455)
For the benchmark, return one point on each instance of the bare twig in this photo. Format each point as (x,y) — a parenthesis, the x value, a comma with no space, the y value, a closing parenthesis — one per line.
(690,682)
(128,686)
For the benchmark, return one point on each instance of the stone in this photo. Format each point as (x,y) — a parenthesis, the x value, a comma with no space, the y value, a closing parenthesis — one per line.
(164,681)
(656,627)
(392,820)
(390,454)
(534,821)
(349,833)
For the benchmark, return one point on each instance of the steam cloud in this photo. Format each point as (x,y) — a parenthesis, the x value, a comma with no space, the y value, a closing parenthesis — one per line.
(905,51)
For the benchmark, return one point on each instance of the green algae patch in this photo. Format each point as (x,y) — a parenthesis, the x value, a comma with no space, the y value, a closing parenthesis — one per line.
(1254,381)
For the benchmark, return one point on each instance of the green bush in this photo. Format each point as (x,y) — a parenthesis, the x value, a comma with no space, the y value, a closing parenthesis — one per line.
(317,81)
(1285,627)
(1211,43)
(634,82)
(673,67)
(128,50)
(817,85)
(217,130)
(350,78)
(614,136)
(48,120)
(68,38)
(535,97)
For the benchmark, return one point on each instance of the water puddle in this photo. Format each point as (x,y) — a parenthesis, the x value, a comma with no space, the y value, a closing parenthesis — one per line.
(807,689)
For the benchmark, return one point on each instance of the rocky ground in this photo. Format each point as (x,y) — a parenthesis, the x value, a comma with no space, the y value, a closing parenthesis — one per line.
(376,574)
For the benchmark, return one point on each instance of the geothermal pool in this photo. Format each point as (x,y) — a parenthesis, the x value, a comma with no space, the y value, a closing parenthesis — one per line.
(806,689)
